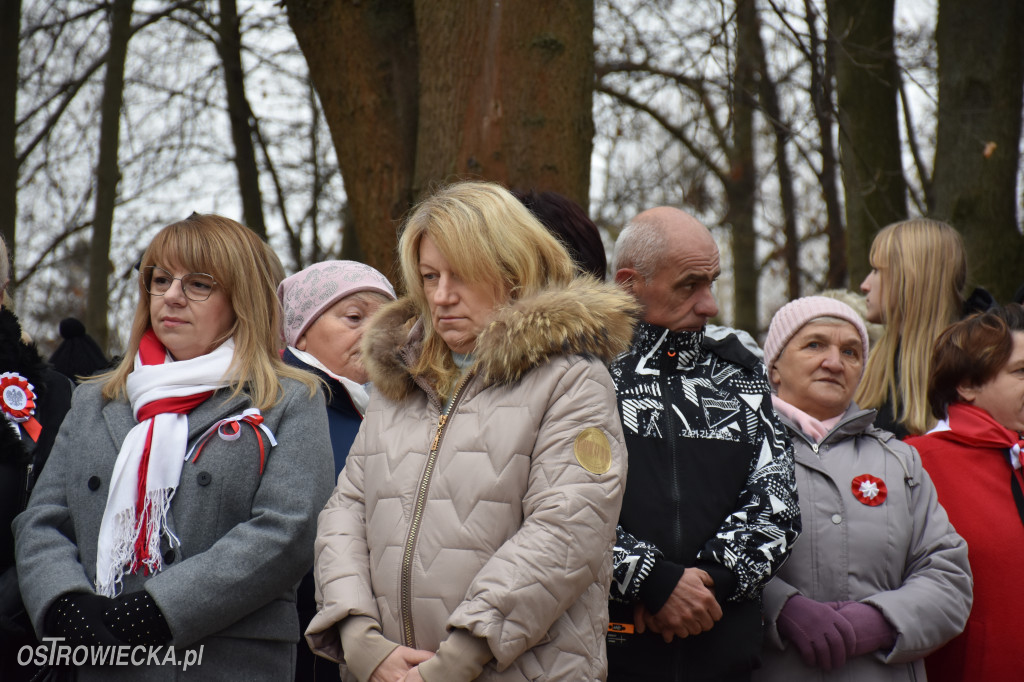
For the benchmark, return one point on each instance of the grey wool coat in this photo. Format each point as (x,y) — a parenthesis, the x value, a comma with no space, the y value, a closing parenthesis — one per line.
(246,538)
(902,556)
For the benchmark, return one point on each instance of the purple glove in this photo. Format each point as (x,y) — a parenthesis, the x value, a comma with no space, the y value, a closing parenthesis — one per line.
(823,637)
(872,629)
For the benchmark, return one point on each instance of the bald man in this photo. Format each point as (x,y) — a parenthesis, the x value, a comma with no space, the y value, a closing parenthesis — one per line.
(710,509)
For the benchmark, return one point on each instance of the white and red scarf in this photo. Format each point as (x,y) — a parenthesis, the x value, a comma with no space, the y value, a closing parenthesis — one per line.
(162,393)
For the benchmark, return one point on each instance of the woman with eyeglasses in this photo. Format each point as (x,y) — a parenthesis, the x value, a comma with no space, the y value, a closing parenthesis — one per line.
(178,509)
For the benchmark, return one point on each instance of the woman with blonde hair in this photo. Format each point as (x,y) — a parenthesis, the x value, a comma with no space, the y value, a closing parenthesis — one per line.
(178,508)
(918,271)
(471,531)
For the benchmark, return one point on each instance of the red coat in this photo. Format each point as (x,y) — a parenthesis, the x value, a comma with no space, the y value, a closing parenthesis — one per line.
(971,471)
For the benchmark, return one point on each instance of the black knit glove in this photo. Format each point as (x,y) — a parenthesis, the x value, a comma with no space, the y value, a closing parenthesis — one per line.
(135,618)
(78,618)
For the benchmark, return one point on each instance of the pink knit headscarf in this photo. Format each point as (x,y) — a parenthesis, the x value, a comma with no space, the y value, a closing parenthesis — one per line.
(308,293)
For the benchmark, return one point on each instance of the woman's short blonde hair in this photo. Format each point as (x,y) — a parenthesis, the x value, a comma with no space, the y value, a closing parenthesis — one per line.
(923,269)
(238,260)
(490,239)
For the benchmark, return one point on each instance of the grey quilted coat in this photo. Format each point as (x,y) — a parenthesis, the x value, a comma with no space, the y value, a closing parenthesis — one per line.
(902,556)
(501,523)
(245,537)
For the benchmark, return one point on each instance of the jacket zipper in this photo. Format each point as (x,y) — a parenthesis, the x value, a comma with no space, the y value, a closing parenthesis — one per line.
(417,516)
(677,495)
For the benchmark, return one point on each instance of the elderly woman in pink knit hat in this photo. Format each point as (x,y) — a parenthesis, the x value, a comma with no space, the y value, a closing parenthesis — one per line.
(326,308)
(878,577)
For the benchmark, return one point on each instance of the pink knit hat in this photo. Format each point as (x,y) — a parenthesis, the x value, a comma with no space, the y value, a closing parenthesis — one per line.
(308,293)
(792,317)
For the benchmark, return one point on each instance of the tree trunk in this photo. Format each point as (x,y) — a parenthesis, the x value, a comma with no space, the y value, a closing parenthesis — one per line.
(867,89)
(981,69)
(108,173)
(769,97)
(415,97)
(229,46)
(741,187)
(362,60)
(822,73)
(505,94)
(10,26)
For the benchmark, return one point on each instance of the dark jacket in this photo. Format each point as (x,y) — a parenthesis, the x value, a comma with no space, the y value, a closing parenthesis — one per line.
(21,460)
(343,419)
(711,484)
(342,416)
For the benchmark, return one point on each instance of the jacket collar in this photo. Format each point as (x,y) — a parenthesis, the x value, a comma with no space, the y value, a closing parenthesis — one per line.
(855,422)
(974,427)
(650,341)
(338,397)
(586,317)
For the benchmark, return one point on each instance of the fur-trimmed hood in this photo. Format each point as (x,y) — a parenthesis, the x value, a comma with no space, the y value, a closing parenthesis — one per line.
(587,317)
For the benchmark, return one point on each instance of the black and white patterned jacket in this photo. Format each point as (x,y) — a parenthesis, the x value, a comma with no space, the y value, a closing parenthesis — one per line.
(711,480)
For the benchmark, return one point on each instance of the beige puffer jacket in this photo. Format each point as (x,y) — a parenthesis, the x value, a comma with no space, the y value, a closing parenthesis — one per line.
(499,523)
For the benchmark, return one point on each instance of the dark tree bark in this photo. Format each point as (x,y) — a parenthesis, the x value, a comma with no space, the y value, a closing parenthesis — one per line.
(229,47)
(362,60)
(741,188)
(505,93)
(418,93)
(108,174)
(10,25)
(769,98)
(822,66)
(981,69)
(867,88)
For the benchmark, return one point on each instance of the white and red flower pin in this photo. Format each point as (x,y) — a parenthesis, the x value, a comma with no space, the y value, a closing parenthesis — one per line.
(869,490)
(18,402)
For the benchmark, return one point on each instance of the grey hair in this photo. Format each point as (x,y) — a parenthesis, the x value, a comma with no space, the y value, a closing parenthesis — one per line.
(828,319)
(370,297)
(639,247)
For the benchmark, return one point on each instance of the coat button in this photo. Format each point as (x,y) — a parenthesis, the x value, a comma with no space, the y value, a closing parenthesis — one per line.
(837,519)
(204,478)
(169,556)
(94,483)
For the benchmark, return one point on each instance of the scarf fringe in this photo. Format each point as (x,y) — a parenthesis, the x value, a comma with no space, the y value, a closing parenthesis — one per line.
(127,530)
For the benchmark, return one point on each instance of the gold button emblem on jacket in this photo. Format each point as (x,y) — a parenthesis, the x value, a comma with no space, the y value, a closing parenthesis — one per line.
(593,451)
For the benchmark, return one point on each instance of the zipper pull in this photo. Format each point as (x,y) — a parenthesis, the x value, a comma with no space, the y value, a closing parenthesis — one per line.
(440,427)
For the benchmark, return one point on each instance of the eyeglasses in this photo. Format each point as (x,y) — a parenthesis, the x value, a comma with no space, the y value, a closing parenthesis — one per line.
(197,286)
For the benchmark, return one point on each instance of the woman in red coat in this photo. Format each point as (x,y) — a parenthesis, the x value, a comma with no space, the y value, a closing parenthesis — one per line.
(973,457)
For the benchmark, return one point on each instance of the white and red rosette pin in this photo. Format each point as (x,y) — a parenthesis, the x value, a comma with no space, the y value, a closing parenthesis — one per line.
(18,402)
(869,490)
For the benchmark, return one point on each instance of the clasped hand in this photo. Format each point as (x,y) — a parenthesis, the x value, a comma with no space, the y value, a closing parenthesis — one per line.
(400,665)
(690,610)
